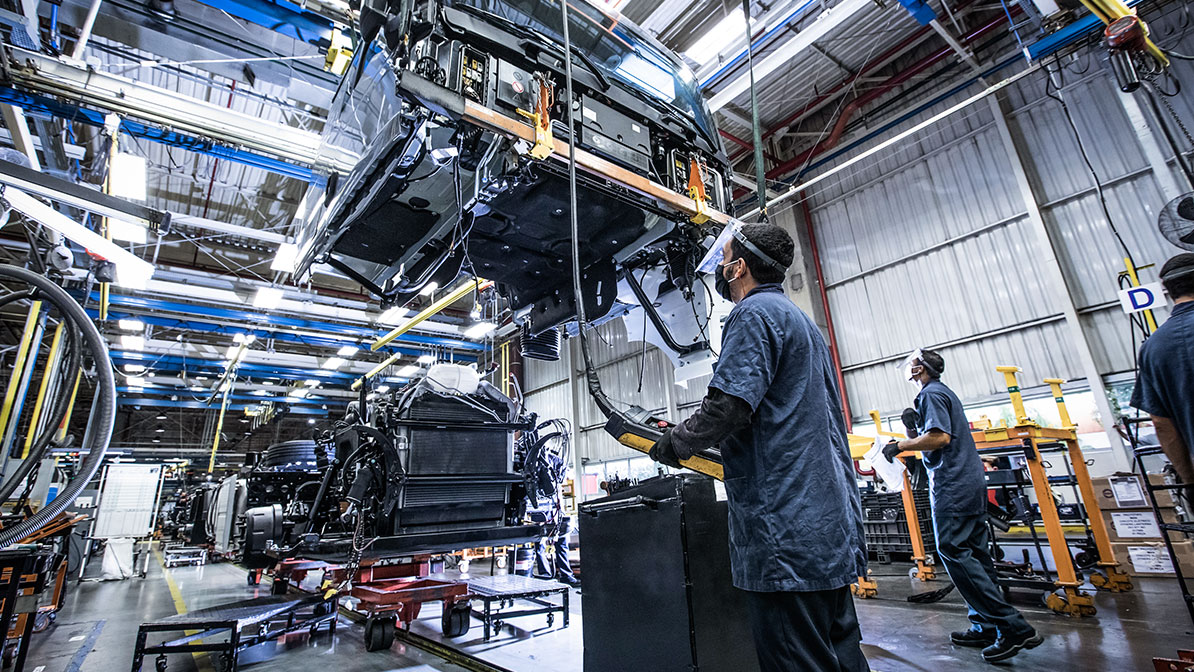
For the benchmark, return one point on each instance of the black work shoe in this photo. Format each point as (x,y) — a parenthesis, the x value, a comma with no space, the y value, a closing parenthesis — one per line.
(973,638)
(1008,646)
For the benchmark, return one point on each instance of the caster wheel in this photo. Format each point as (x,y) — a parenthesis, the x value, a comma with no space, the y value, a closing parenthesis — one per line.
(379,633)
(551,620)
(279,587)
(456,619)
(913,572)
(251,578)
(463,566)
(159,664)
(324,608)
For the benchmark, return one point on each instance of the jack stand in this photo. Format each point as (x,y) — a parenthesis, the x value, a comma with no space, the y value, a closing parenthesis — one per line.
(1070,601)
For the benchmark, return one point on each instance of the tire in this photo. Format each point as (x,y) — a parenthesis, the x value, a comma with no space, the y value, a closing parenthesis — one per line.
(279,587)
(456,619)
(251,577)
(379,633)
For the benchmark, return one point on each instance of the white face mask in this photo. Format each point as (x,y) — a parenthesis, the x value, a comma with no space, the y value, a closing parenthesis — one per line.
(912,374)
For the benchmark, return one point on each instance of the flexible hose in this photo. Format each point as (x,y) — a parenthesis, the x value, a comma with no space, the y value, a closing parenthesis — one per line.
(103,416)
(56,413)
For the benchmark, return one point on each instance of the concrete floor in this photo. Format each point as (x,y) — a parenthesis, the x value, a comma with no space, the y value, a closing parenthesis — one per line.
(96,631)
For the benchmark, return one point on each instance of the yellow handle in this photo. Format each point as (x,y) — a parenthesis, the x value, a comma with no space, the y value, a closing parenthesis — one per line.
(697,464)
(1058,397)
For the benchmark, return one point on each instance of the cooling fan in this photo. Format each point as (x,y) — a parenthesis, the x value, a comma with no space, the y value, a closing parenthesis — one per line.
(1177,221)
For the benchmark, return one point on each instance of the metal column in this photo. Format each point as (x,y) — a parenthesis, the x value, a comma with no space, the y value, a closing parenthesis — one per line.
(1055,280)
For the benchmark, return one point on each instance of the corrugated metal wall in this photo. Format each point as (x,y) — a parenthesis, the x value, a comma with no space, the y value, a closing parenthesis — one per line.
(931,244)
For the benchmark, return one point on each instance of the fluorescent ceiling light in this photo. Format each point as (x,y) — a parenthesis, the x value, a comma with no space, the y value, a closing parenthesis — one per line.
(134,368)
(128,177)
(260,393)
(347,351)
(131,270)
(267,298)
(198,388)
(429,289)
(383,388)
(232,352)
(426,359)
(333,363)
(132,342)
(782,55)
(286,258)
(407,371)
(130,324)
(312,383)
(717,38)
(127,231)
(298,393)
(310,421)
(393,315)
(135,381)
(480,330)
(248,339)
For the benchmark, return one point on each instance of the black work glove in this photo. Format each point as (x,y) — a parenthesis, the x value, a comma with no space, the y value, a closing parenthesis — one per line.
(664,452)
(891,450)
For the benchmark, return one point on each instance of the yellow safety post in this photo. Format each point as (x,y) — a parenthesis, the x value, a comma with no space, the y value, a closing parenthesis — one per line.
(18,368)
(48,375)
(505,367)
(1135,278)
(1013,391)
(411,322)
(1059,398)
(924,571)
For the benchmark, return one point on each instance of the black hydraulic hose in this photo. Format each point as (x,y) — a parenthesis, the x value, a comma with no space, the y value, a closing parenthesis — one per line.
(16,296)
(103,416)
(56,413)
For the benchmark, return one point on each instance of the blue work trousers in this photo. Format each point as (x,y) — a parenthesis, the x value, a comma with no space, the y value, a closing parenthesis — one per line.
(962,547)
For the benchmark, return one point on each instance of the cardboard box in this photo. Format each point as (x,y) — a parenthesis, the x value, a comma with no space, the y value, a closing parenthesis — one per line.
(1142,558)
(1126,491)
(1136,524)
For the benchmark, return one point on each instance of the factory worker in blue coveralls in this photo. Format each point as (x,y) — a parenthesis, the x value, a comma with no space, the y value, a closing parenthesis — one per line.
(1163,386)
(796,539)
(958,494)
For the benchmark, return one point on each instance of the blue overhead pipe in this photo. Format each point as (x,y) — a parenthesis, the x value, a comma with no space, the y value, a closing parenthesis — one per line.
(45,105)
(263,334)
(179,403)
(282,17)
(143,303)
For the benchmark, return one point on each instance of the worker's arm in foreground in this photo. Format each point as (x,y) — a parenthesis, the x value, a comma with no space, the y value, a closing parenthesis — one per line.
(720,415)
(1174,447)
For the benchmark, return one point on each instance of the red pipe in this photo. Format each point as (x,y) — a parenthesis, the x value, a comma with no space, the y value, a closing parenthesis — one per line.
(742,143)
(833,350)
(839,127)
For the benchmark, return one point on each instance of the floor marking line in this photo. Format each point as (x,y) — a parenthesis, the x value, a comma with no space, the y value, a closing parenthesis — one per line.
(202,660)
(85,648)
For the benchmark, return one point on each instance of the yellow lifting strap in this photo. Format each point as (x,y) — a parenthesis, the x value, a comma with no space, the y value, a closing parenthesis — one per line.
(541,119)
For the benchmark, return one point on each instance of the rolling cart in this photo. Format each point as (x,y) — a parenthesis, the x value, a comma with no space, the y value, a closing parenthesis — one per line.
(506,590)
(236,626)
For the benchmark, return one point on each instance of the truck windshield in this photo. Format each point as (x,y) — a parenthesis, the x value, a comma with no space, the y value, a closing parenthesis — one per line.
(616,46)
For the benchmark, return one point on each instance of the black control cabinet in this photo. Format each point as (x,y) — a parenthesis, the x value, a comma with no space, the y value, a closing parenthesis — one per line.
(658,594)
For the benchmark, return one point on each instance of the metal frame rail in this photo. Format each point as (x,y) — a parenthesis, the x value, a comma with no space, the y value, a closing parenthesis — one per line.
(507,589)
(1140,453)
(237,622)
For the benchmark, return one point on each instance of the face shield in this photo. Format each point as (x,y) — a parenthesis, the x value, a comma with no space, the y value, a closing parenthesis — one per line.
(911,366)
(716,254)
